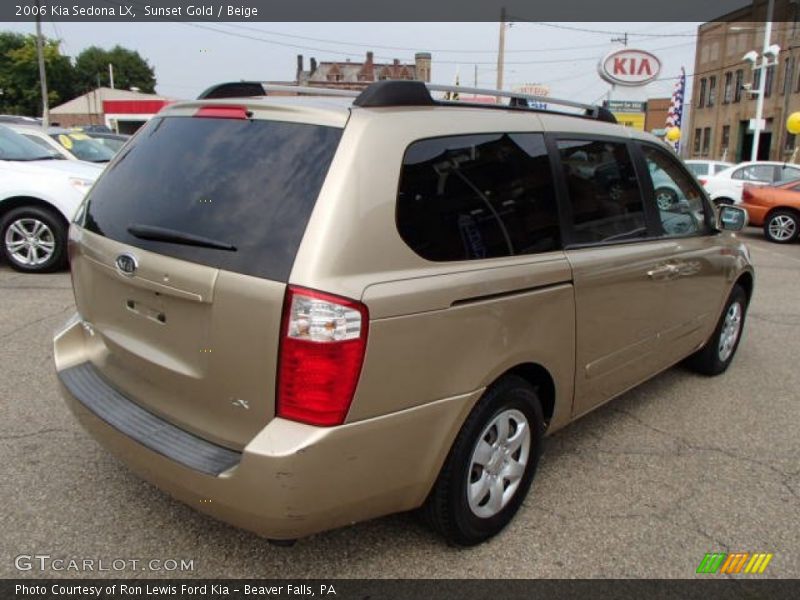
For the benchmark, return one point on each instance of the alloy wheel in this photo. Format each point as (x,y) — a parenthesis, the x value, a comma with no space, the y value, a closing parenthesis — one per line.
(30,242)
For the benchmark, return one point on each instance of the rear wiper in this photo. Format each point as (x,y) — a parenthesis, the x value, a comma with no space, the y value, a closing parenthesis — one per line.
(163,234)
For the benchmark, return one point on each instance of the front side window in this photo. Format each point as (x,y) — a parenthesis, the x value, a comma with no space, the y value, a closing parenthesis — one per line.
(604,193)
(678,198)
(470,197)
(787,173)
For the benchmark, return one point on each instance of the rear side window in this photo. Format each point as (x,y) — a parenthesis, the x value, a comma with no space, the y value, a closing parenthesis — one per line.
(470,197)
(250,184)
(603,190)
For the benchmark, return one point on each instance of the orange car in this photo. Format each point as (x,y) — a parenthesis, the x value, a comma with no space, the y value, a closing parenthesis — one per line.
(776,208)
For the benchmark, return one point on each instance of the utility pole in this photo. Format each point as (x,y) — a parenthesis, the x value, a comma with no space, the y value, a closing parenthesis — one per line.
(111,75)
(501,50)
(42,72)
(622,40)
(475,77)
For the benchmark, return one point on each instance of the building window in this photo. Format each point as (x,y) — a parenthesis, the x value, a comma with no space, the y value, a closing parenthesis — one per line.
(797,85)
(697,137)
(786,88)
(701,103)
(706,141)
(788,145)
(770,78)
(712,90)
(756,79)
(737,89)
(726,140)
(727,94)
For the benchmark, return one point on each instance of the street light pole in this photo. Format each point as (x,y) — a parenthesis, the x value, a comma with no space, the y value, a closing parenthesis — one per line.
(762,80)
(42,71)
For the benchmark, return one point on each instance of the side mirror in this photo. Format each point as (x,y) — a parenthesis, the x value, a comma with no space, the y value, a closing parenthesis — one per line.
(731,218)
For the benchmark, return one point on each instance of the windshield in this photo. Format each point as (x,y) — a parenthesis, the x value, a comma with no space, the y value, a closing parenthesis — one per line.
(84,147)
(14,146)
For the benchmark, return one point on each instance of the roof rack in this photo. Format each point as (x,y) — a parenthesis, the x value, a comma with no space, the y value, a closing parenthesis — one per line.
(245,89)
(406,93)
(417,93)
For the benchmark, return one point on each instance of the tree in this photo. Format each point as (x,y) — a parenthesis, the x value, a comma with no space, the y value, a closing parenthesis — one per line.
(130,69)
(19,74)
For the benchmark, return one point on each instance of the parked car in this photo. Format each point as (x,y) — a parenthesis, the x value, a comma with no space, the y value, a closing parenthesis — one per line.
(726,186)
(113,141)
(329,310)
(39,194)
(706,168)
(776,209)
(73,145)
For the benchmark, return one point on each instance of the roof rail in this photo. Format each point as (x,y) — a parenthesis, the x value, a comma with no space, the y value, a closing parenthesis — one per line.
(417,93)
(404,93)
(246,89)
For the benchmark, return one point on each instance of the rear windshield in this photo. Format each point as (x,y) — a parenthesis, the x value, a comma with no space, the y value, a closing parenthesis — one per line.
(249,184)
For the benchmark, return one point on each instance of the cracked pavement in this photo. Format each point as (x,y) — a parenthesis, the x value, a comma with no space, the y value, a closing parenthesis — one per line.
(642,487)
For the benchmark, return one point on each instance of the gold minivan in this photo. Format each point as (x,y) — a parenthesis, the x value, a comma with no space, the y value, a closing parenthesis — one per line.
(296,312)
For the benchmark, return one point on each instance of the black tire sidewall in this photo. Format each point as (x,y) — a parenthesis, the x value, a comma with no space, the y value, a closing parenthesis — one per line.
(56,224)
(718,365)
(513,393)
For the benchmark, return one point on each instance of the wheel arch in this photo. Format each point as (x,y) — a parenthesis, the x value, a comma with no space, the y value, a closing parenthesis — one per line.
(746,281)
(774,209)
(540,379)
(12,202)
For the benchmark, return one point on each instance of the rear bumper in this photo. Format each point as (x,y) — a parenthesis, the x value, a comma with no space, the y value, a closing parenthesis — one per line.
(291,480)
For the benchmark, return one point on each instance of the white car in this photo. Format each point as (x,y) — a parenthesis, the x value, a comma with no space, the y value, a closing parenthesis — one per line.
(73,145)
(726,186)
(39,195)
(703,169)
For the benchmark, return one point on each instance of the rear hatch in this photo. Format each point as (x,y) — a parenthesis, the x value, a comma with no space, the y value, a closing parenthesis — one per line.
(185,245)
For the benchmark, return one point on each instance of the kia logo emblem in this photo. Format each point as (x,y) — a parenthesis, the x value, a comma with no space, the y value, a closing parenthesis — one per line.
(127,264)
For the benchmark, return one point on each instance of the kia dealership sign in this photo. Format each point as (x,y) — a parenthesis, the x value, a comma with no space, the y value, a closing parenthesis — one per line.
(629,67)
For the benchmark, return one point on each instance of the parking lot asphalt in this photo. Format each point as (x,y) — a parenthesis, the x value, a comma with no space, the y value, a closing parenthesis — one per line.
(642,487)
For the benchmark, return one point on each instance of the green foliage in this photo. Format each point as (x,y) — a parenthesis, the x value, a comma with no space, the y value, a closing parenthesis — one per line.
(130,69)
(19,73)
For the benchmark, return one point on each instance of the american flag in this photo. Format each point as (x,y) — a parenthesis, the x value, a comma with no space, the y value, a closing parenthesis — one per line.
(675,114)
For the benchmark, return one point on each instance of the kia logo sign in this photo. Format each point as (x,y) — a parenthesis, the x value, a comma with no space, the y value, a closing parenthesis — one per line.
(629,67)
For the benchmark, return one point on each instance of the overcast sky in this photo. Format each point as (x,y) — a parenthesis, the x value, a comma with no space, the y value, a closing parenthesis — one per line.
(188,57)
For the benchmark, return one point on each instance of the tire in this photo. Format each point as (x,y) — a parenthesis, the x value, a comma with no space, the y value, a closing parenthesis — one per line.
(449,510)
(34,239)
(665,198)
(782,227)
(711,359)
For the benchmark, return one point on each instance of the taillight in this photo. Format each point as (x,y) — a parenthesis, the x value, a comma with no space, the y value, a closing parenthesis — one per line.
(323,339)
(221,112)
(747,194)
(702,180)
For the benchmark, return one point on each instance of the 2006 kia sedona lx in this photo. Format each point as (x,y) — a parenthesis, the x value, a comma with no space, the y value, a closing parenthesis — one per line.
(295,313)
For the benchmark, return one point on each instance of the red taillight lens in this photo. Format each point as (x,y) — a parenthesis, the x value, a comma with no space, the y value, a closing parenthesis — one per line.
(702,180)
(746,193)
(323,339)
(222,112)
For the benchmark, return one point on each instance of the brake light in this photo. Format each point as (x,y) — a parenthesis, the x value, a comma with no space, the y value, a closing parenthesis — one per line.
(702,180)
(323,341)
(222,112)
(746,193)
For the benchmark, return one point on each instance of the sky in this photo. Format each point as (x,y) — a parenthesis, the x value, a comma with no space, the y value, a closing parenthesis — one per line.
(189,57)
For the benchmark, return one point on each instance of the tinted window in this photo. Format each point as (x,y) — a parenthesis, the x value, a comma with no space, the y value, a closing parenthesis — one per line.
(83,147)
(248,183)
(603,191)
(14,146)
(786,173)
(755,173)
(698,169)
(477,196)
(678,199)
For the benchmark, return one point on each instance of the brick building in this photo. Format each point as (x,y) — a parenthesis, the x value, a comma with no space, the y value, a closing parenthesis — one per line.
(718,127)
(358,75)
